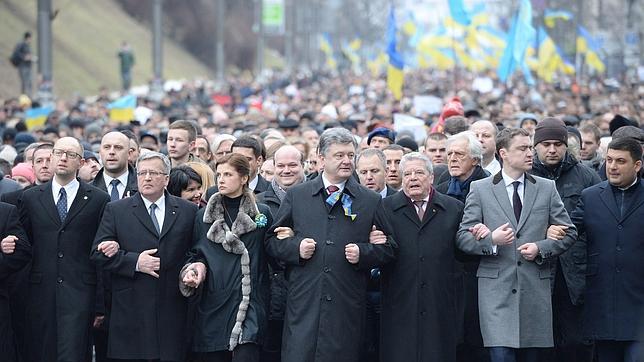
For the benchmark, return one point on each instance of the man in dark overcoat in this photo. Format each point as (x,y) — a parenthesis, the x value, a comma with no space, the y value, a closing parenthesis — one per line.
(143,240)
(15,253)
(610,214)
(60,218)
(329,256)
(419,311)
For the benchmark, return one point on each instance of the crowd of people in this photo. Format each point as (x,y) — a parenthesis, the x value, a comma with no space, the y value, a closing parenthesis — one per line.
(292,220)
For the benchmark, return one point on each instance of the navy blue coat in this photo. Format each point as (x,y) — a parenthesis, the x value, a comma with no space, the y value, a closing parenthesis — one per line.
(615,272)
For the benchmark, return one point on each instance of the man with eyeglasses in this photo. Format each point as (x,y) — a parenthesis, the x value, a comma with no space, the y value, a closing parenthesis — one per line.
(61,218)
(419,314)
(141,242)
(464,157)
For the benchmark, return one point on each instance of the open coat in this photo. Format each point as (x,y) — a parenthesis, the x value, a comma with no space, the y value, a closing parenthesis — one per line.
(325,309)
(419,311)
(515,304)
(62,280)
(149,315)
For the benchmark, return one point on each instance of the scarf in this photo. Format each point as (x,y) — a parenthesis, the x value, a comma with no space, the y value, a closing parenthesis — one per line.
(279,192)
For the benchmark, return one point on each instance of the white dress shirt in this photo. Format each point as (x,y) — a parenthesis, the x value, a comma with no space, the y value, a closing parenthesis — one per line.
(253,183)
(159,212)
(71,189)
(509,187)
(120,187)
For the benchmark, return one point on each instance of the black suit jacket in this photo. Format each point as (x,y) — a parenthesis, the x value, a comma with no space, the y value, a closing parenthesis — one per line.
(148,315)
(10,264)
(262,186)
(62,280)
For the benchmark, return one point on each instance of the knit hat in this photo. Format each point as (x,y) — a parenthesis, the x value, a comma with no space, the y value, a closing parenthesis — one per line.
(452,108)
(619,121)
(551,129)
(25,170)
(407,142)
(382,132)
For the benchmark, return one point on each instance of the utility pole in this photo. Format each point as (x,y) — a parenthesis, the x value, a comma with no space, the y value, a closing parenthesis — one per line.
(157,49)
(220,65)
(259,4)
(45,51)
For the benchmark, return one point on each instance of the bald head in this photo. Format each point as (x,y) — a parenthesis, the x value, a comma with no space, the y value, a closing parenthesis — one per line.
(67,158)
(289,166)
(115,149)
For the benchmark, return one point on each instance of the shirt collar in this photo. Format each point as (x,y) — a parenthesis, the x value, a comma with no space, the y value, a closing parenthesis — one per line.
(631,185)
(160,202)
(122,178)
(253,183)
(509,180)
(328,183)
(69,188)
(383,192)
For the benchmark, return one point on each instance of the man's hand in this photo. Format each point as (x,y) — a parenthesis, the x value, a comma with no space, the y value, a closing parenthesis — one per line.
(109,248)
(307,248)
(503,235)
(529,251)
(195,275)
(376,236)
(8,244)
(149,264)
(284,232)
(479,231)
(98,321)
(352,253)
(556,232)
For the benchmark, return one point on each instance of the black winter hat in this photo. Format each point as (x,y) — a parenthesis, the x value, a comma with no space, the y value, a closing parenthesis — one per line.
(550,129)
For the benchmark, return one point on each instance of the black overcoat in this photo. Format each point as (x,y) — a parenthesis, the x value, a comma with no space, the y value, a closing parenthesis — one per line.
(325,309)
(149,315)
(419,311)
(10,264)
(62,280)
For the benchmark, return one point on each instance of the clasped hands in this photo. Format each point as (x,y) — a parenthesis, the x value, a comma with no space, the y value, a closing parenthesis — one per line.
(146,263)
(351,250)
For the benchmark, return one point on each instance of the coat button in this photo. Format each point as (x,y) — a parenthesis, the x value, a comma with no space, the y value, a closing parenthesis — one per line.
(423,313)
(328,242)
(617,270)
(327,269)
(60,254)
(59,280)
(620,227)
(422,258)
(423,285)
(328,298)
(62,231)
(519,263)
(619,248)
(331,217)
(514,291)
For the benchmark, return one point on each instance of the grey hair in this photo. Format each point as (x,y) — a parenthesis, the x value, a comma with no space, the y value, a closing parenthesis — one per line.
(336,135)
(167,166)
(416,156)
(219,139)
(370,152)
(474,146)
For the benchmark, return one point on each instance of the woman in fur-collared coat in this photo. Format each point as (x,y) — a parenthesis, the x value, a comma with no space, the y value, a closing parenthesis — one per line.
(227,269)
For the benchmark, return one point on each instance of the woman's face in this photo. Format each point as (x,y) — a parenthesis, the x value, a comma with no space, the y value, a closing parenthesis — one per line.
(192,193)
(229,181)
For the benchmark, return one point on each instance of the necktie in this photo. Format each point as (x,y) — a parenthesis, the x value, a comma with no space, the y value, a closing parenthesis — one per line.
(421,212)
(153,216)
(114,193)
(516,201)
(332,188)
(61,205)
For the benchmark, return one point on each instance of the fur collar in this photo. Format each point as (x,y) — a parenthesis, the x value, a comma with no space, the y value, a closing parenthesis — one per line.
(219,231)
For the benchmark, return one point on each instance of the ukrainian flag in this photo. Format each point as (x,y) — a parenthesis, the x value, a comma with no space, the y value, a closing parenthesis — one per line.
(395,76)
(36,117)
(122,109)
(327,49)
(519,38)
(551,16)
(589,47)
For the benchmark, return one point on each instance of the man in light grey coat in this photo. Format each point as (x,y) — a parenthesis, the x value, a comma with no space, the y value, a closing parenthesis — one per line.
(506,223)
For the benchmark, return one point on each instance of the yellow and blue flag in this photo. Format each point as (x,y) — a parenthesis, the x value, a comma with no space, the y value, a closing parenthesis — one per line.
(122,109)
(590,48)
(395,76)
(36,117)
(520,35)
(327,49)
(551,16)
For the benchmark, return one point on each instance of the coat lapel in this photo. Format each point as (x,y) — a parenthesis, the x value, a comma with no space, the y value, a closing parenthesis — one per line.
(83,197)
(171,211)
(402,202)
(47,201)
(529,197)
(607,197)
(638,199)
(141,213)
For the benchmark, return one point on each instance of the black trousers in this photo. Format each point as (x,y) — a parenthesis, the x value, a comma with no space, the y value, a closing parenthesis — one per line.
(248,352)
(506,354)
(620,351)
